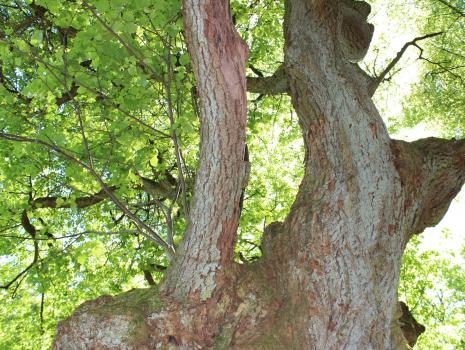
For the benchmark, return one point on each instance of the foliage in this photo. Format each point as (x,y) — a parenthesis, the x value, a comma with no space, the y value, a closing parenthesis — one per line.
(434,288)
(439,100)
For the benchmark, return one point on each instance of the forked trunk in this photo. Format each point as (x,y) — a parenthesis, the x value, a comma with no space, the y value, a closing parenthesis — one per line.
(329,273)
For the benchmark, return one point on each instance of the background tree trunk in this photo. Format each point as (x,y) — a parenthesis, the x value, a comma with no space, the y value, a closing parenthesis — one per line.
(329,273)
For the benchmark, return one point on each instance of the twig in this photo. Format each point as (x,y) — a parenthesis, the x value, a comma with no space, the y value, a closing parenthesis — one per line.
(174,134)
(381,77)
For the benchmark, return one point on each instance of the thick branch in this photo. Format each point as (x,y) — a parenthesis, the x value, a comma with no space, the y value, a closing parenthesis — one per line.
(272,85)
(432,172)
(381,77)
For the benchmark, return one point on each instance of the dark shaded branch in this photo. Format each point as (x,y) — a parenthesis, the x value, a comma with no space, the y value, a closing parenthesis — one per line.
(432,172)
(41,313)
(381,77)
(29,228)
(256,71)
(158,267)
(149,278)
(63,202)
(67,96)
(272,85)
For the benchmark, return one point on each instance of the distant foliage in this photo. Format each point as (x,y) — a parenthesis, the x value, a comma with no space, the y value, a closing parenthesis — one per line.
(439,98)
(433,286)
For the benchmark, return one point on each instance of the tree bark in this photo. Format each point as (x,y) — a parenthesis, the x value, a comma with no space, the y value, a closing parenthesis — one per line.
(329,273)
(218,57)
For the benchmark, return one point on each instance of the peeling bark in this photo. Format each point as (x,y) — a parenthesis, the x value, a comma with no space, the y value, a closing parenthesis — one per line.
(329,273)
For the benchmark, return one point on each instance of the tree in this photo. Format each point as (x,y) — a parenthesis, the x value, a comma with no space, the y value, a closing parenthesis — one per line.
(328,274)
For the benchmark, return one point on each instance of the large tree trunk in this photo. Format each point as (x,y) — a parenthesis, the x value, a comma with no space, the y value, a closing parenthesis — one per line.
(329,273)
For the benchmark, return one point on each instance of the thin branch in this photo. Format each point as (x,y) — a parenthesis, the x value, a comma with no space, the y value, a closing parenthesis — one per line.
(453,8)
(381,77)
(174,135)
(152,235)
(29,228)
(169,221)
(137,221)
(56,149)
(39,11)
(74,235)
(10,6)
(444,69)
(66,96)
(41,314)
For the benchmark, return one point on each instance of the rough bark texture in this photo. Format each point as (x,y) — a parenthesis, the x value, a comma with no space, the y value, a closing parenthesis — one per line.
(218,57)
(329,273)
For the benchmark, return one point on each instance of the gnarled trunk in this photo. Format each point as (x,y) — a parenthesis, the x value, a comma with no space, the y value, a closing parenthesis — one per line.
(329,273)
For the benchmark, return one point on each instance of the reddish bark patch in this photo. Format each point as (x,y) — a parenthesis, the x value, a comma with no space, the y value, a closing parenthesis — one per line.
(374,130)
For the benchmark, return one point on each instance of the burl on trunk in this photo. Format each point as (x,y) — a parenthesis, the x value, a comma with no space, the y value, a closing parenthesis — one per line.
(329,273)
